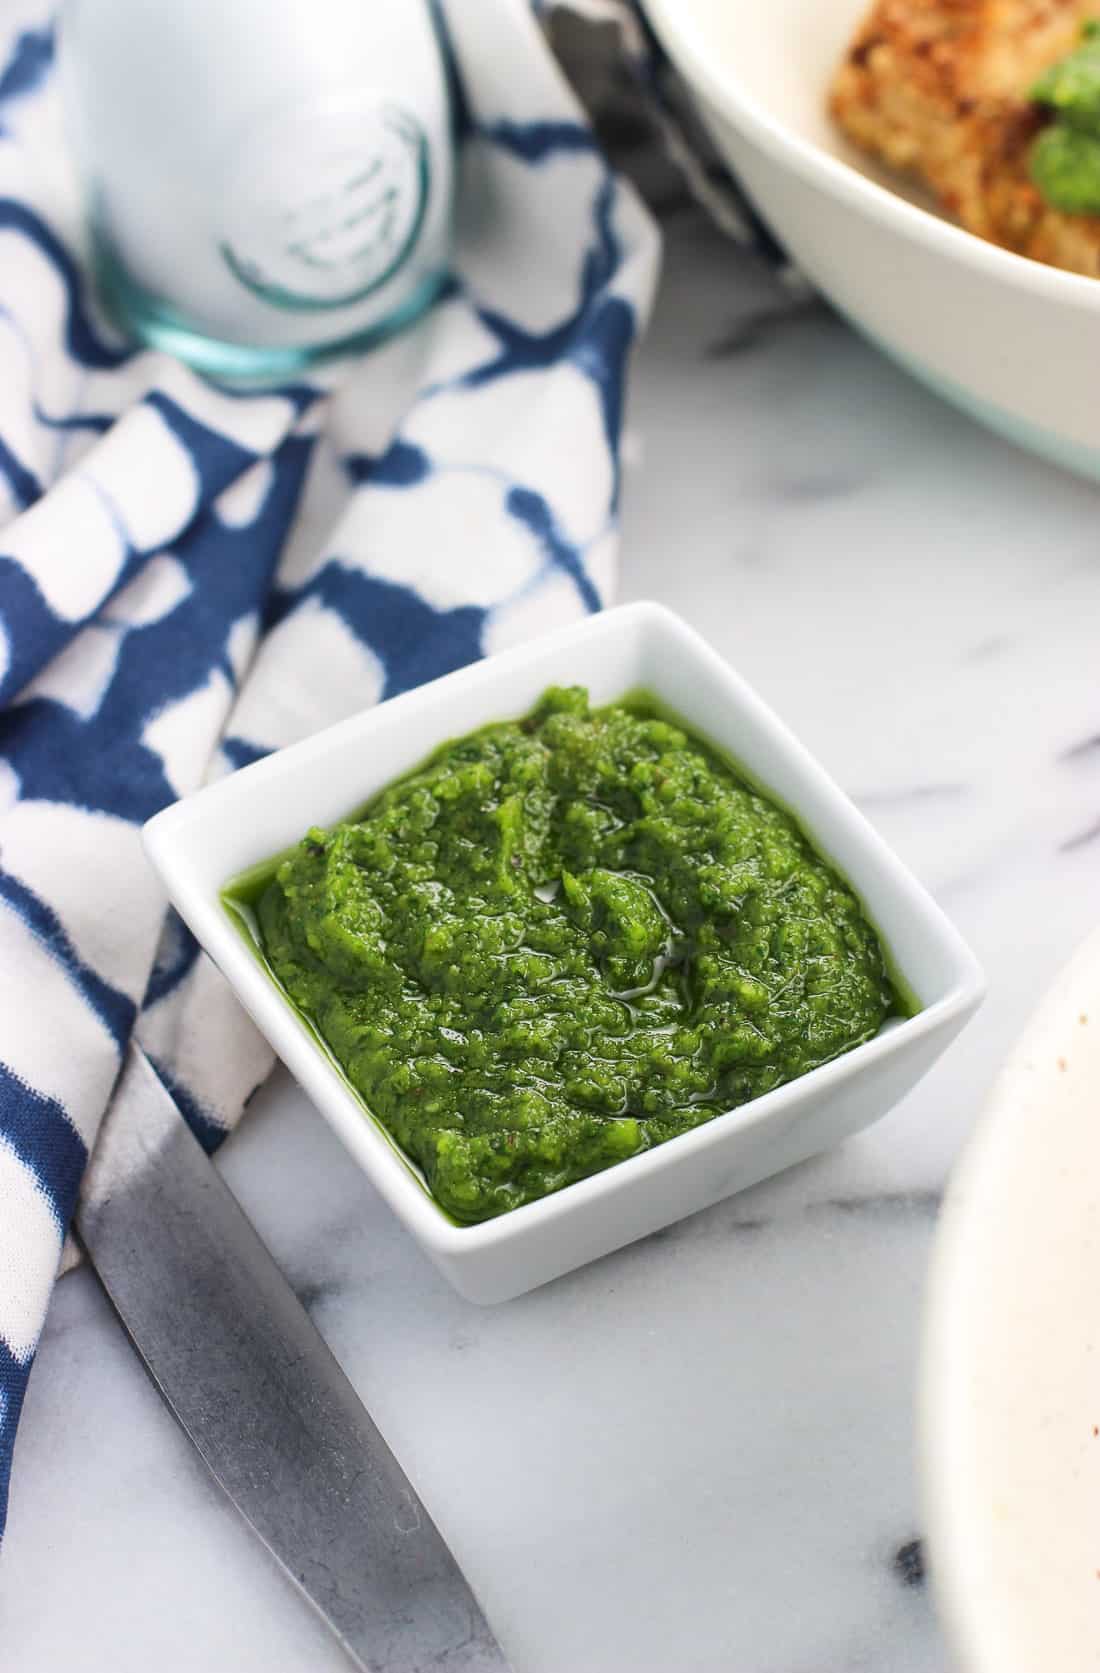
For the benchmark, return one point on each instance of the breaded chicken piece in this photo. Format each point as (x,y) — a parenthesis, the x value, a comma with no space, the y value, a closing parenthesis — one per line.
(939,89)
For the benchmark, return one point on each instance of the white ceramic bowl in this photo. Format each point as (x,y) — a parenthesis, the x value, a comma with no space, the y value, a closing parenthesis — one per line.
(1010,1385)
(201,843)
(1011,341)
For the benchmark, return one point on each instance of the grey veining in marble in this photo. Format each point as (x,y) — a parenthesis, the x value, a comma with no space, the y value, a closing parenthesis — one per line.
(696,1454)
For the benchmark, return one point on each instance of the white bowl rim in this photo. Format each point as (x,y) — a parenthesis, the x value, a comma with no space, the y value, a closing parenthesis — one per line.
(956,1337)
(960,994)
(686,36)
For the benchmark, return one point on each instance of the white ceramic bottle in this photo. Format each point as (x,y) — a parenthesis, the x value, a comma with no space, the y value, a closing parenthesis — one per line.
(267,180)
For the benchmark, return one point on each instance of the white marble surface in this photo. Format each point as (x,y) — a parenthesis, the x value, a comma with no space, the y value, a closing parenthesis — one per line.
(697,1454)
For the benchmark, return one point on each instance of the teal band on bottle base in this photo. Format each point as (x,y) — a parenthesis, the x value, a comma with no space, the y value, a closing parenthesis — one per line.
(156,324)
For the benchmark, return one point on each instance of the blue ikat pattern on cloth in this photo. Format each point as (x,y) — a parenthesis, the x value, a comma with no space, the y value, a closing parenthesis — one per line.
(192,576)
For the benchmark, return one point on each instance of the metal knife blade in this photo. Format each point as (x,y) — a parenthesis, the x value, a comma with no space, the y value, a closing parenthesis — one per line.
(259,1393)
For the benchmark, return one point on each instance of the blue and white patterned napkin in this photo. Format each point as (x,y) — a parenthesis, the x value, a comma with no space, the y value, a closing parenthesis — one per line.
(190,577)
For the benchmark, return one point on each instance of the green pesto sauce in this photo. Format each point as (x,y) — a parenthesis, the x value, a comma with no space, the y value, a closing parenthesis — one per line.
(1065,159)
(564,940)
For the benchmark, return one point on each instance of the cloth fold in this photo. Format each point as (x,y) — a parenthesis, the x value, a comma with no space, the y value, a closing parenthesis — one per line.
(191,576)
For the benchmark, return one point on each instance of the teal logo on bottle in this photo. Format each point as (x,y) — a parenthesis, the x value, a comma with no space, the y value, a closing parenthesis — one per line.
(324,205)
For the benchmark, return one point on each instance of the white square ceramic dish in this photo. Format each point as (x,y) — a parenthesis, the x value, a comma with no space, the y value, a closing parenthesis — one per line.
(201,843)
